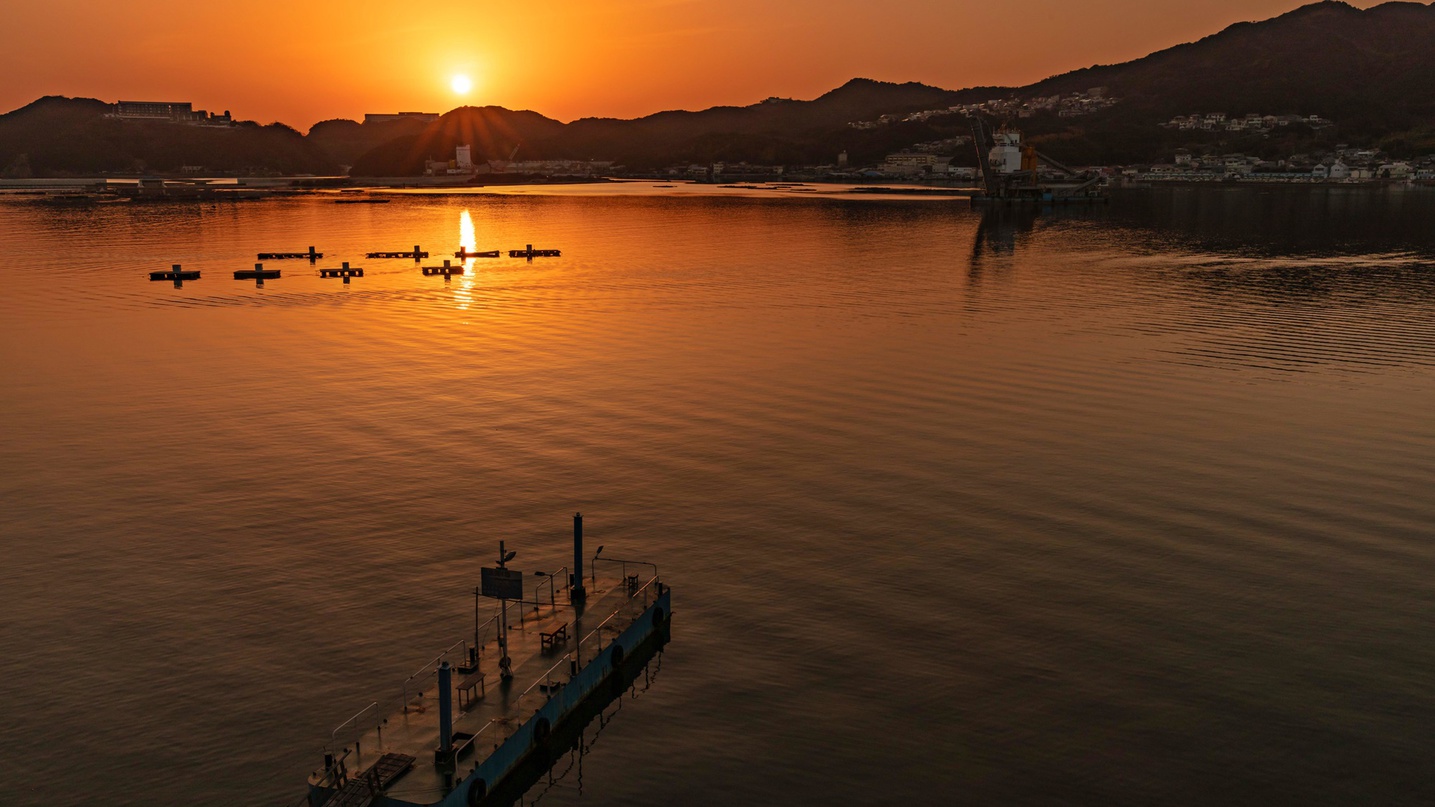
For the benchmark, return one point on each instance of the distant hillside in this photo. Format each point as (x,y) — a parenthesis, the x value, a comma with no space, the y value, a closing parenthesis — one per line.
(1371,71)
(1327,57)
(768,130)
(775,131)
(492,131)
(343,141)
(57,136)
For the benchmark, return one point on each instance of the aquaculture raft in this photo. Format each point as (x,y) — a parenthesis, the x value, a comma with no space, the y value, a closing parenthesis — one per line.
(415,253)
(175,273)
(285,256)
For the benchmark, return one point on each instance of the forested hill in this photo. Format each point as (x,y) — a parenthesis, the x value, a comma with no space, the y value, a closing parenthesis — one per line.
(58,136)
(1328,57)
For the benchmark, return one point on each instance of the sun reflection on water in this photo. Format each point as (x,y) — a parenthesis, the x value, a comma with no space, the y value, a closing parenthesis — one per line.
(467,242)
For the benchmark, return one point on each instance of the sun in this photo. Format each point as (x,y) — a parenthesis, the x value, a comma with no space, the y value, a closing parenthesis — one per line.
(461,84)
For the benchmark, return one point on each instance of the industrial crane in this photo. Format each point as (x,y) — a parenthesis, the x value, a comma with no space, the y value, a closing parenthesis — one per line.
(1010,172)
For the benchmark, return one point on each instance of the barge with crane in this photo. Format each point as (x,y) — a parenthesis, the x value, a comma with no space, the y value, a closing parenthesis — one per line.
(465,727)
(1012,173)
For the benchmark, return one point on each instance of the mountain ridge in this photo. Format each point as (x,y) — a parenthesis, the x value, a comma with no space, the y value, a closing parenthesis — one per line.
(1367,69)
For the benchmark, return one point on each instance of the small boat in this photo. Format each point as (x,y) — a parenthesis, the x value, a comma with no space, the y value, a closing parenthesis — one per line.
(464,253)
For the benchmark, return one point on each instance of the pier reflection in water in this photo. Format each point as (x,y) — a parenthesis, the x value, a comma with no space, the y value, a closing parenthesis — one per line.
(560,775)
(1129,506)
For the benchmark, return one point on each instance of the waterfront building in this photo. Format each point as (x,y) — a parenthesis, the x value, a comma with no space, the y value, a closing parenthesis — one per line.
(908,163)
(169,111)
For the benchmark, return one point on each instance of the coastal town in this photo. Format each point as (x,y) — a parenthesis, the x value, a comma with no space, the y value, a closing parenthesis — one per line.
(953,160)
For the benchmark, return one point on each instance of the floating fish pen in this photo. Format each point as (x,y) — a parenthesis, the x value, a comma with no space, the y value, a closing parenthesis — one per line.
(531,253)
(445,270)
(470,726)
(284,256)
(175,273)
(346,272)
(258,273)
(464,253)
(415,253)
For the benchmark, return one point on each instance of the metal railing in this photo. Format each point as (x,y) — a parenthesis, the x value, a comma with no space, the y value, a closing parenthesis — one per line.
(335,733)
(597,559)
(638,602)
(338,748)
(431,669)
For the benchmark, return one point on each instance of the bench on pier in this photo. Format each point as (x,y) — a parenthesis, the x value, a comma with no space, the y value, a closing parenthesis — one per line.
(467,688)
(549,640)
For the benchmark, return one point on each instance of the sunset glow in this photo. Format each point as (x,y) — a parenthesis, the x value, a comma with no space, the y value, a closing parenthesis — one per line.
(461,84)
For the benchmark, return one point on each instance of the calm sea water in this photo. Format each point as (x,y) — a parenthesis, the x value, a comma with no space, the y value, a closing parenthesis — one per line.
(1128,506)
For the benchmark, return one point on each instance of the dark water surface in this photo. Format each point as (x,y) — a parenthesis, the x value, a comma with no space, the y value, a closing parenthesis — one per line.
(1130,506)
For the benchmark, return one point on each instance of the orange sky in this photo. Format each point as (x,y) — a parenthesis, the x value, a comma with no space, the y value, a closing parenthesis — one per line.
(301,61)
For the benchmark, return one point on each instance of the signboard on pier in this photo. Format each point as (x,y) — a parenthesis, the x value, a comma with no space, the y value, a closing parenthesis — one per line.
(501,584)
